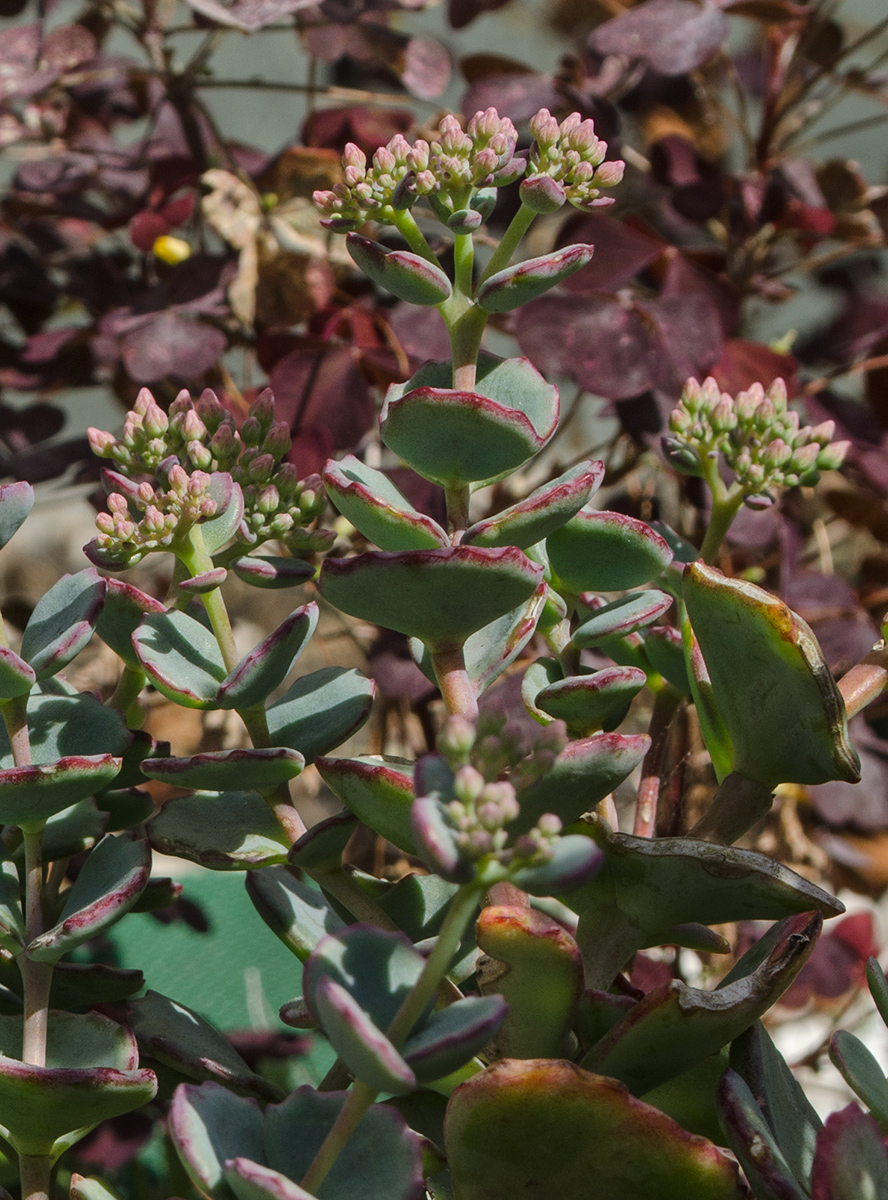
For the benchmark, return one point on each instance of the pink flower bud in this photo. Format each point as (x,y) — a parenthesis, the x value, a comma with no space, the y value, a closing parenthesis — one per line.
(146,493)
(823,432)
(101,442)
(609,174)
(154,519)
(418,158)
(542,194)
(354,156)
(105,523)
(117,503)
(193,428)
(544,128)
(178,479)
(484,124)
(144,400)
(832,457)
(384,161)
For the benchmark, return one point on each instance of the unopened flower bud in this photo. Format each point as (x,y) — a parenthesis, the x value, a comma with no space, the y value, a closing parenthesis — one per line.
(354,156)
(457,738)
(542,194)
(278,441)
(261,469)
(831,457)
(468,784)
(282,524)
(823,432)
(723,418)
(262,409)
(609,174)
(200,455)
(178,479)
(251,432)
(549,825)
(268,500)
(101,442)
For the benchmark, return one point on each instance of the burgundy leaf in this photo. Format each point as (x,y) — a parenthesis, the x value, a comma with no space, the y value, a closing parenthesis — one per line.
(324,388)
(862,806)
(68,47)
(697,189)
(684,277)
(744,363)
(851,1159)
(424,68)
(145,228)
(672,36)
(116,1142)
(61,175)
(421,333)
(369,128)
(170,344)
(19,76)
(513,95)
(690,331)
(621,251)
(837,963)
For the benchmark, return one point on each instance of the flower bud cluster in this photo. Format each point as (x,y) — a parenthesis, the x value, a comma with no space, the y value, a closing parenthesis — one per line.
(449,167)
(567,164)
(202,438)
(480,812)
(760,437)
(152,518)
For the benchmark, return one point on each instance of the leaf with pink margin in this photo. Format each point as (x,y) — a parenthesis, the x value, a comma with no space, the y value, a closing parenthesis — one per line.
(408,276)
(16,676)
(671,36)
(538,970)
(125,606)
(441,596)
(780,705)
(29,795)
(113,878)
(229,498)
(621,617)
(750,1137)
(586,702)
(380,1161)
(76,1040)
(296,913)
(16,502)
(377,509)
(218,770)
(664,650)
(264,571)
(585,1127)
(575,860)
(225,831)
(358,1042)
(675,1025)
(207,581)
(584,773)
(436,840)
(452,1036)
(258,673)
(524,281)
(40,1106)
(375,966)
(545,510)
(251,1181)
(319,711)
(851,1160)
(90,1187)
(457,437)
(379,793)
(209,1126)
(179,1038)
(62,621)
(606,552)
(181,657)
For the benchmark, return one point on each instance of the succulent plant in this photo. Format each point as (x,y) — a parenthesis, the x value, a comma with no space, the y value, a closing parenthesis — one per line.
(487,1041)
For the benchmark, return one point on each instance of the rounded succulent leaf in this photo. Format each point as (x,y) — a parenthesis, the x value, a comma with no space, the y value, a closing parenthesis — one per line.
(458,437)
(377,509)
(524,281)
(606,552)
(541,513)
(407,276)
(440,596)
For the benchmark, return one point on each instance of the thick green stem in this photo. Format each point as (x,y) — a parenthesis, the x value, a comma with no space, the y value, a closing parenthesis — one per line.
(511,239)
(405,223)
(361,1097)
(35,1172)
(126,694)
(458,499)
(726,503)
(36,976)
(453,680)
(463,262)
(193,554)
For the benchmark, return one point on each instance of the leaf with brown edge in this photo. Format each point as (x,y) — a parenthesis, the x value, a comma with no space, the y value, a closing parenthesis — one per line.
(585,1127)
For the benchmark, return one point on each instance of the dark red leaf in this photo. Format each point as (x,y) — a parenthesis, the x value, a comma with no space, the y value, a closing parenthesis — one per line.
(690,332)
(324,388)
(19,76)
(178,211)
(837,963)
(369,128)
(672,36)
(851,1159)
(171,344)
(514,96)
(145,228)
(420,332)
(621,251)
(61,175)
(68,47)
(116,1142)
(424,68)
(697,189)
(684,277)
(744,363)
